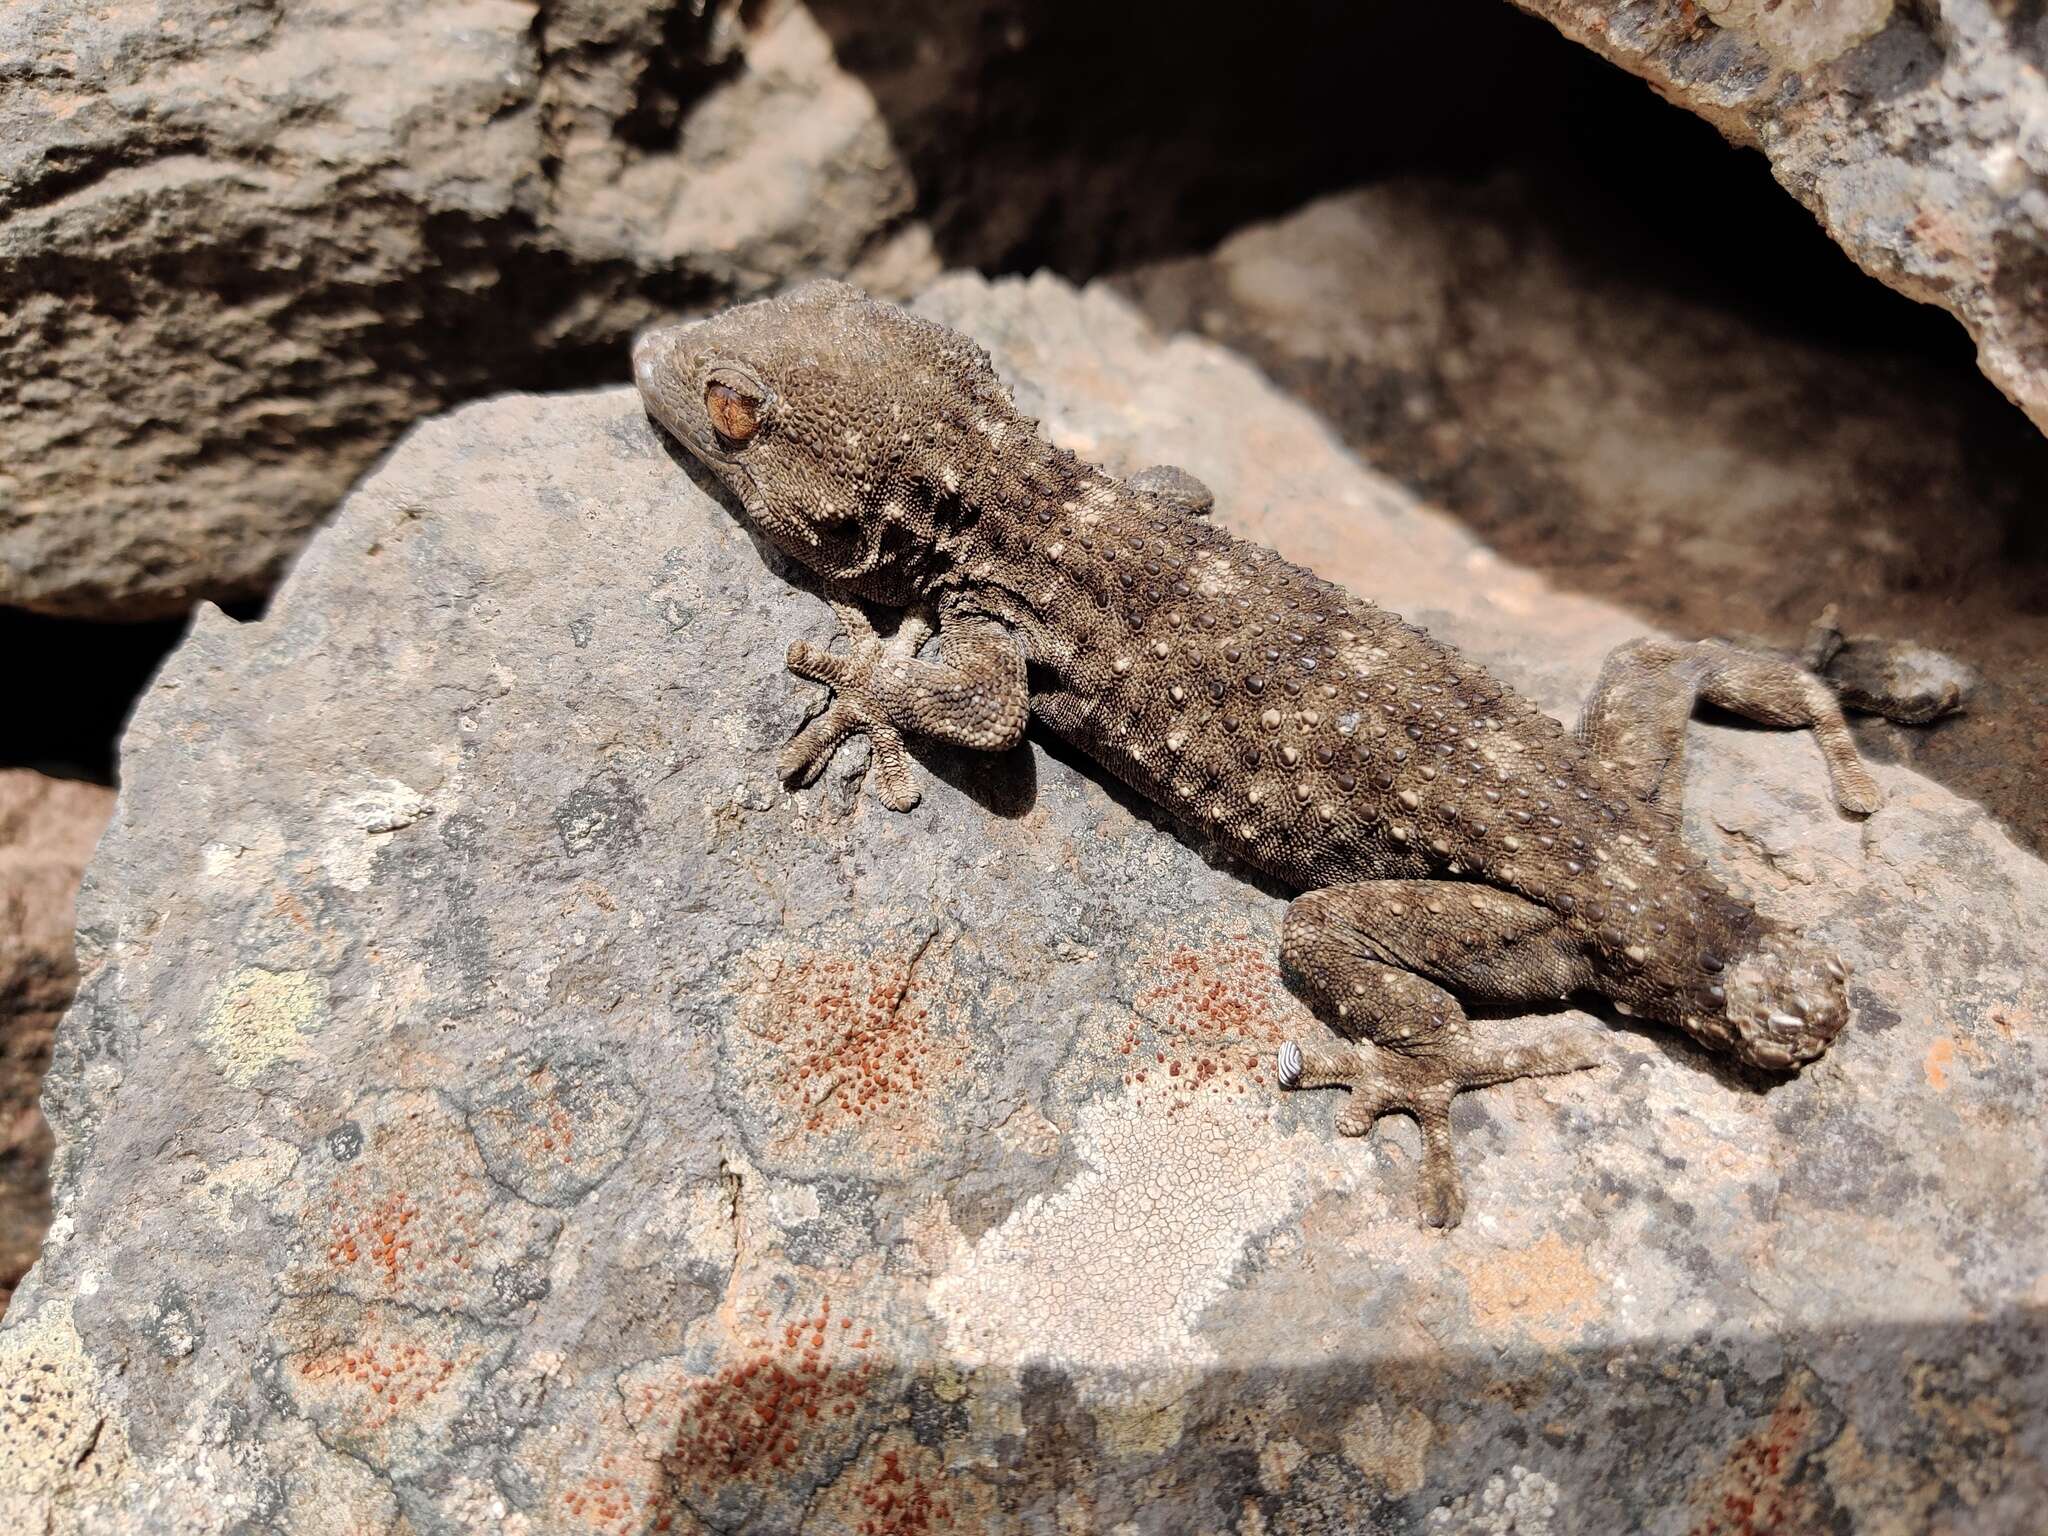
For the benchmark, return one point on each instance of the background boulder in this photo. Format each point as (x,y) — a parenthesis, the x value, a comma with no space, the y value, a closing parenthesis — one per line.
(243,247)
(1917,133)
(47,831)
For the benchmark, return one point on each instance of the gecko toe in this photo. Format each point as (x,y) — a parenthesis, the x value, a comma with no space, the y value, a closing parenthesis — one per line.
(895,785)
(811,748)
(819,665)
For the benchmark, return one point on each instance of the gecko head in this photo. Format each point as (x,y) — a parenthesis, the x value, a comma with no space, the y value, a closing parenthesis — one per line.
(841,423)
(1784,1001)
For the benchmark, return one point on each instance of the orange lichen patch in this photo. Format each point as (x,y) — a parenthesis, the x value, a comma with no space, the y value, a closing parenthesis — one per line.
(612,1497)
(1217,1015)
(753,1415)
(379,1234)
(860,1040)
(391,1378)
(382,1382)
(1762,1487)
(896,1503)
(553,1127)
(780,1405)
(401,1242)
(1940,1056)
(900,1488)
(413,1218)
(1544,1291)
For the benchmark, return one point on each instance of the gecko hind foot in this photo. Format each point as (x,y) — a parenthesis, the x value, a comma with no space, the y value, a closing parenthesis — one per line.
(1384,1082)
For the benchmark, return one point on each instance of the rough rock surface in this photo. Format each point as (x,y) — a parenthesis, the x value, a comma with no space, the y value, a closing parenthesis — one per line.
(47,831)
(1588,413)
(495,1103)
(1915,130)
(244,245)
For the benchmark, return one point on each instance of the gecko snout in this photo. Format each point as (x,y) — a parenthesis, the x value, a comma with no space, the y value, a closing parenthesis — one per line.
(654,348)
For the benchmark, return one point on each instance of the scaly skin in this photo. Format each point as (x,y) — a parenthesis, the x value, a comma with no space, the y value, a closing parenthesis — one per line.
(1453,840)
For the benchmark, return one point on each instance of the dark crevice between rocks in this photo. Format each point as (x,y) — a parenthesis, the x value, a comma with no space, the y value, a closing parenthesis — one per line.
(56,725)
(679,74)
(1094,137)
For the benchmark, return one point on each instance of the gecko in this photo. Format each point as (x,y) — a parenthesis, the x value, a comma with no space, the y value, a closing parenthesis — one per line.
(1453,845)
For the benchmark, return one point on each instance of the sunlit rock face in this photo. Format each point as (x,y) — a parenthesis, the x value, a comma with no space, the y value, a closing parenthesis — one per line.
(496,1103)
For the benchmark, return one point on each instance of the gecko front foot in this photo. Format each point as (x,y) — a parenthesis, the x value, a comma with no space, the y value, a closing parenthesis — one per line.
(1385,1082)
(972,692)
(859,703)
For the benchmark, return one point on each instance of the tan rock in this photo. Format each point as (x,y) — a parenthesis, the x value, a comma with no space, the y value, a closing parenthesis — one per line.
(47,831)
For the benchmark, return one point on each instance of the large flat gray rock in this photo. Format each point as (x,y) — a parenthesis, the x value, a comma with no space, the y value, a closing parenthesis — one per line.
(495,1103)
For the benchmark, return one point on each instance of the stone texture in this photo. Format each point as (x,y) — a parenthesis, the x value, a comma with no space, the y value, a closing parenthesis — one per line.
(47,831)
(495,1103)
(243,246)
(1917,133)
(1511,353)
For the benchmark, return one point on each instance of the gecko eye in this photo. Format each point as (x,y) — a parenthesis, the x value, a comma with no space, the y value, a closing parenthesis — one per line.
(735,414)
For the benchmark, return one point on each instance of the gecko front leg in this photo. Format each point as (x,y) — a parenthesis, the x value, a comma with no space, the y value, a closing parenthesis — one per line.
(973,693)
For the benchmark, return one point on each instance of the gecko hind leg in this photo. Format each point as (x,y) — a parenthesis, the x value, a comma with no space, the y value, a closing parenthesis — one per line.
(1173,486)
(1363,956)
(1635,718)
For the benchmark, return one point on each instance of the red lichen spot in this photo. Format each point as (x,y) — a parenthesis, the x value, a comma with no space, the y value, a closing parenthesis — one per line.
(755,1414)
(1762,1487)
(894,1500)
(390,1375)
(603,1500)
(1213,1003)
(385,1233)
(858,1036)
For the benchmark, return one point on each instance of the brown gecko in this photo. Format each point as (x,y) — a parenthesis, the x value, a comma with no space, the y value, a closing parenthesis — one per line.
(1453,840)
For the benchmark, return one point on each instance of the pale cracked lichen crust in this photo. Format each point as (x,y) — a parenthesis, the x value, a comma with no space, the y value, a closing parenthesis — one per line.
(668,1149)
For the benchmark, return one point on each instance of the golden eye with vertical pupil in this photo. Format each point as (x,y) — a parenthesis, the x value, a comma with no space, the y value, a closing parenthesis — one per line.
(735,416)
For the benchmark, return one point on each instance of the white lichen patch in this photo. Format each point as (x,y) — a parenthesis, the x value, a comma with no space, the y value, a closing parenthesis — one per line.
(357,824)
(1518,1502)
(1113,1270)
(262,1018)
(60,1441)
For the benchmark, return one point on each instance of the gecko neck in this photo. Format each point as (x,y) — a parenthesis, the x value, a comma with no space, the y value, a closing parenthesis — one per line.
(1041,533)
